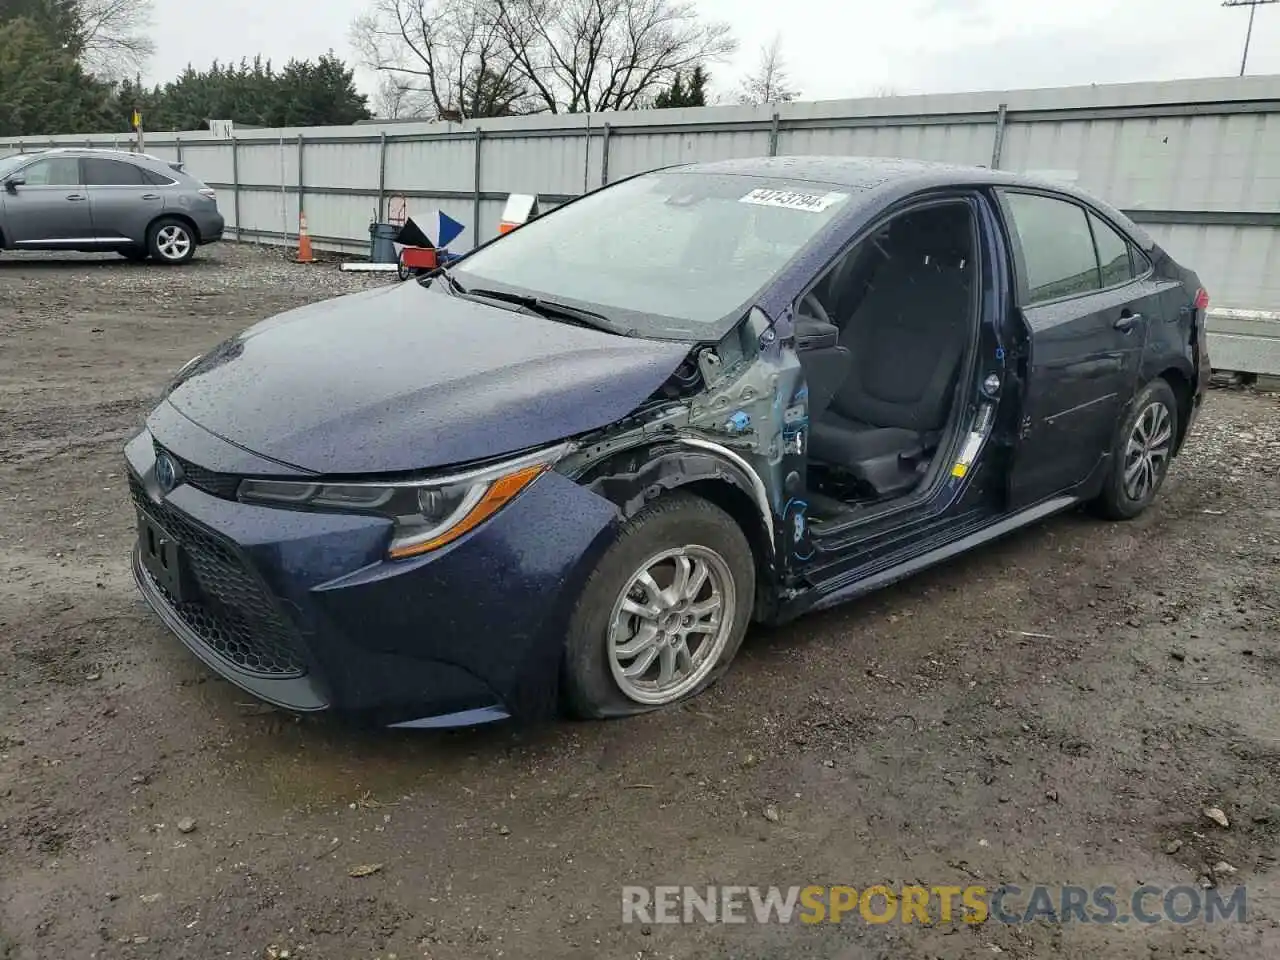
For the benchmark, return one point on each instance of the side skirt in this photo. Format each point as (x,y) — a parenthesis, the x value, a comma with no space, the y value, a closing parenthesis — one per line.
(857,583)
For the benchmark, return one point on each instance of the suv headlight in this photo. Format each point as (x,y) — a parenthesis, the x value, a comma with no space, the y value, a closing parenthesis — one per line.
(427,513)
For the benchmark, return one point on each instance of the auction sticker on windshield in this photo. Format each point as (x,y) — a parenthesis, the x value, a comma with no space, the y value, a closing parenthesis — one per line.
(791,200)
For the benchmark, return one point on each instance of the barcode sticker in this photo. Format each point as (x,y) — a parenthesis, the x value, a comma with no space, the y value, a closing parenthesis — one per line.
(793,200)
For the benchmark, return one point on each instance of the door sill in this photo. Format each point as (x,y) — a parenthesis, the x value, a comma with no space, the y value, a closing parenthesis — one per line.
(917,556)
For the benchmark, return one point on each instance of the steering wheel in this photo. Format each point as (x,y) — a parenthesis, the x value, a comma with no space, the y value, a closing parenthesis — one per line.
(816,309)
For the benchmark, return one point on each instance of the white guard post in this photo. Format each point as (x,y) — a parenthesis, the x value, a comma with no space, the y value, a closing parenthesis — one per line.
(520,208)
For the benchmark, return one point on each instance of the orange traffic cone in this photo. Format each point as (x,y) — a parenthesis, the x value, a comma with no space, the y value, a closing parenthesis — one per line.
(304,241)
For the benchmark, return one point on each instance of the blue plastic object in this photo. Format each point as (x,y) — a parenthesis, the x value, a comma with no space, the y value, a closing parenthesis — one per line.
(450,229)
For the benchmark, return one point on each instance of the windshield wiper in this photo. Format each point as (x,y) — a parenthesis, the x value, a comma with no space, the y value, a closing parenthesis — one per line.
(454,285)
(553,310)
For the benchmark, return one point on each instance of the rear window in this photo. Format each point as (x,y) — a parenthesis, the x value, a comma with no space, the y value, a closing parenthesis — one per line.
(673,255)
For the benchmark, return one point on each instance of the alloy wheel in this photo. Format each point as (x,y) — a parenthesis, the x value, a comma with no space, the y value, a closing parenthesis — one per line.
(1146,454)
(173,242)
(670,624)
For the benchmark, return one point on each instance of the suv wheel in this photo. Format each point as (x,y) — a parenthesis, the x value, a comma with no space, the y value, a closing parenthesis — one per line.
(663,613)
(1140,453)
(171,241)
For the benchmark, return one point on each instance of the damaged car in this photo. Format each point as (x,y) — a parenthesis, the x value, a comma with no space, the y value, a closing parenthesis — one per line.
(571,469)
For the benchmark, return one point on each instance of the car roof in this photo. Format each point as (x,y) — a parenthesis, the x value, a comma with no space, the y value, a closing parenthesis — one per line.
(101,151)
(862,173)
(112,152)
(891,178)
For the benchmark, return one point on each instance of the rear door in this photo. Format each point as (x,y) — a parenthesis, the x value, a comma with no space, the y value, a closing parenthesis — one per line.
(122,199)
(1086,307)
(50,206)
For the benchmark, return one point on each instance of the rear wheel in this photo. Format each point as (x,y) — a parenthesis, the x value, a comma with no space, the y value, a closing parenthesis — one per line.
(171,241)
(1141,453)
(663,613)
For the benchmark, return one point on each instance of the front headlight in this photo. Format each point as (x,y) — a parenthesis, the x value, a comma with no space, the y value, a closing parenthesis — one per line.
(427,513)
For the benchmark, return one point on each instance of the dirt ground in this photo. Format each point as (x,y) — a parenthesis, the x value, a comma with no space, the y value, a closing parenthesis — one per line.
(1056,708)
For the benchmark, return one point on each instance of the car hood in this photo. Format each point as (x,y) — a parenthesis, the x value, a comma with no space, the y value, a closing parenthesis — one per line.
(404,378)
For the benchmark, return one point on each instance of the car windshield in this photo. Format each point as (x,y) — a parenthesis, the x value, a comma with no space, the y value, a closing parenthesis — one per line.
(670,255)
(9,164)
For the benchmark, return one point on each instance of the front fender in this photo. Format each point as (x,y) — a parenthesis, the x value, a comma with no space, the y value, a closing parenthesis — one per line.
(632,478)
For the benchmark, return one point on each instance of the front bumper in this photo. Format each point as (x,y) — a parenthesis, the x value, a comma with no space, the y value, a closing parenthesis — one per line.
(302,610)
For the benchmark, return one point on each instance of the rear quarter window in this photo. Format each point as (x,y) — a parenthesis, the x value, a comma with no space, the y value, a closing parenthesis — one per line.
(1114,256)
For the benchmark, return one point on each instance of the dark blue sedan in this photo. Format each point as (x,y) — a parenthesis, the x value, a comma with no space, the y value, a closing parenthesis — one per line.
(570,470)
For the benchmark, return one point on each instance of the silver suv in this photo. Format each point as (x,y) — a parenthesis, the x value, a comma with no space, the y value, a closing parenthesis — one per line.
(135,204)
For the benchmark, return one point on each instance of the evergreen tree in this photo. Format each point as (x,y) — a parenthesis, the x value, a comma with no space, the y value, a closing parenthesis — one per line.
(44,88)
(692,93)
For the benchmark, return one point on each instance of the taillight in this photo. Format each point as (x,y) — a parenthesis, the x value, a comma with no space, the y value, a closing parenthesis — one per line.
(210,194)
(1202,299)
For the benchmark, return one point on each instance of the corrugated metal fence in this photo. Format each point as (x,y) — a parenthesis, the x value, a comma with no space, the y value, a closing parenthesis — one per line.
(1196,162)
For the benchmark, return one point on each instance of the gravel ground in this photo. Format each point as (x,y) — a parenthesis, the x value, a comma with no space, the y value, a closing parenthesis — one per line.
(1057,708)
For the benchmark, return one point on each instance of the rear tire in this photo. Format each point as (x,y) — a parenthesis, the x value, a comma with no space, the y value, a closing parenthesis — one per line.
(1141,452)
(663,613)
(171,241)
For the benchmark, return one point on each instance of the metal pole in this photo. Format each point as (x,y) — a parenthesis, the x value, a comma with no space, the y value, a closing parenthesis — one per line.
(1253,6)
(177,142)
(475,197)
(1253,9)
(773,135)
(586,155)
(604,160)
(997,148)
(235,184)
(301,180)
(382,176)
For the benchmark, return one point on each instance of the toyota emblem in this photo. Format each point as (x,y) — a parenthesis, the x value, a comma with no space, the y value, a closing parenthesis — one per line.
(166,472)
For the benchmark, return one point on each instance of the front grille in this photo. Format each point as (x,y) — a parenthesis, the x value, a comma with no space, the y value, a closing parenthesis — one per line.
(231,612)
(222,485)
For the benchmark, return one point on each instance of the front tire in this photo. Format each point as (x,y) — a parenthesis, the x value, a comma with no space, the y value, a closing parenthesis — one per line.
(664,612)
(1141,453)
(171,241)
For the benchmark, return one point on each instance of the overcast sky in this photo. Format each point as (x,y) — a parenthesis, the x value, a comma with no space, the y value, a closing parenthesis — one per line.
(833,48)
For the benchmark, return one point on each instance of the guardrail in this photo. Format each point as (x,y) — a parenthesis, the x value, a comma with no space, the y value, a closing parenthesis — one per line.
(1244,341)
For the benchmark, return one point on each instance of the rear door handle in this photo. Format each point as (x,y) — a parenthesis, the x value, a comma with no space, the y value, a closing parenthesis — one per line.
(1127,321)
(75,196)
(151,196)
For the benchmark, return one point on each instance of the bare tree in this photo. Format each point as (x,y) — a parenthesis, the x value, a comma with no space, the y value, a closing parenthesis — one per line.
(112,37)
(770,82)
(393,100)
(450,57)
(497,57)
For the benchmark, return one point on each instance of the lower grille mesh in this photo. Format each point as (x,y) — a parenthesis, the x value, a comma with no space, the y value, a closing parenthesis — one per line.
(231,613)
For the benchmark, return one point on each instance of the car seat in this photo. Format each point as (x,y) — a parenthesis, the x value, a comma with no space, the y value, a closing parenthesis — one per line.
(906,338)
